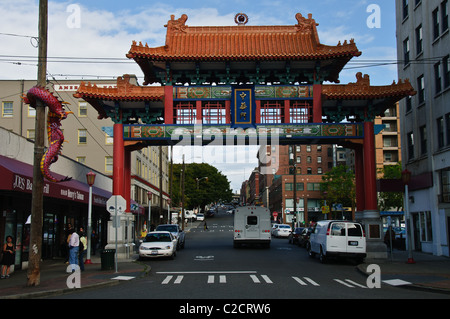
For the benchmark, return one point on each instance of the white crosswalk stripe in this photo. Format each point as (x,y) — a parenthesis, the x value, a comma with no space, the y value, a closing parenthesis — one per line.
(349,283)
(258,279)
(307,279)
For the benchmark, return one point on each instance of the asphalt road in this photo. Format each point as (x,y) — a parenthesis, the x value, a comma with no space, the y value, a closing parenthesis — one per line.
(211,270)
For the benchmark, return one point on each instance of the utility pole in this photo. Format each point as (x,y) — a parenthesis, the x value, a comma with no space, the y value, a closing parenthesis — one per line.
(161,208)
(182,194)
(34,259)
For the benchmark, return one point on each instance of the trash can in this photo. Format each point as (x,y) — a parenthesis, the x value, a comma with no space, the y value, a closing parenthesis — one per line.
(107,258)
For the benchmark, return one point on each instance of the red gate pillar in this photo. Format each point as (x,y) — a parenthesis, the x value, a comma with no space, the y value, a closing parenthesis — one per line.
(359,179)
(317,103)
(375,247)
(127,179)
(370,180)
(118,161)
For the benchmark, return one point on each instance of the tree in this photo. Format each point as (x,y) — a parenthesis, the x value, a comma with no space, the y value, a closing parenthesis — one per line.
(391,200)
(209,190)
(338,186)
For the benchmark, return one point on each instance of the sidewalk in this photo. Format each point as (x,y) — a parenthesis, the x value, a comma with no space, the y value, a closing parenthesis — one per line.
(54,277)
(429,272)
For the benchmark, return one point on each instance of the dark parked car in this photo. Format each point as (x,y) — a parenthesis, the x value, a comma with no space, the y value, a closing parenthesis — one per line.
(295,235)
(304,236)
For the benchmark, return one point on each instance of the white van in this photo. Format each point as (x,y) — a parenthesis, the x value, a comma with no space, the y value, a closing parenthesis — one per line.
(337,238)
(252,226)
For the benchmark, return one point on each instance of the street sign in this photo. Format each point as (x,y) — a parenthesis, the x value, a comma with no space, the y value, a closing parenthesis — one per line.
(116,200)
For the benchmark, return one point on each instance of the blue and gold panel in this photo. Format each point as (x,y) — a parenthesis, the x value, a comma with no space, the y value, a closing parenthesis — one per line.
(243,107)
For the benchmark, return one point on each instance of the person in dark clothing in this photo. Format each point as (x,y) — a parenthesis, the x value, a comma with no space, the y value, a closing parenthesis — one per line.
(8,256)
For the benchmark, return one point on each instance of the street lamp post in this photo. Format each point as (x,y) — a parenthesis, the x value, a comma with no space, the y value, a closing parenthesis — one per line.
(149,196)
(90,177)
(406,178)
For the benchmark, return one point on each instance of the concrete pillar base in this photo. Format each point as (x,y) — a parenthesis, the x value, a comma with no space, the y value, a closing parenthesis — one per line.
(375,246)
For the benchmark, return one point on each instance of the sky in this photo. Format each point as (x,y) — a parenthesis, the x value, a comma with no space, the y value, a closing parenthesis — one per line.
(89,39)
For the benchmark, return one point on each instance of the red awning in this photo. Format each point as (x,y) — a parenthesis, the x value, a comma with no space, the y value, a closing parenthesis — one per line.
(18,176)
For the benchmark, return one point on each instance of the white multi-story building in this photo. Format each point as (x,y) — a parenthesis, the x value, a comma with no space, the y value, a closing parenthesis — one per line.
(423,46)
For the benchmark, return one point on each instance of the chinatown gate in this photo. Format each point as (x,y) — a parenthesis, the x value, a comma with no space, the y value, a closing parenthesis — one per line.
(244,84)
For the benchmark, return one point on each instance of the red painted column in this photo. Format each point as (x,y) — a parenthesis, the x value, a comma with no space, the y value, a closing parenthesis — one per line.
(228,111)
(199,113)
(370,167)
(359,179)
(127,179)
(317,103)
(168,104)
(258,112)
(287,114)
(118,161)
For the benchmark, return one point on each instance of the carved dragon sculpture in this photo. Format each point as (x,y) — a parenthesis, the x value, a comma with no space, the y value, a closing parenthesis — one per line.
(55,135)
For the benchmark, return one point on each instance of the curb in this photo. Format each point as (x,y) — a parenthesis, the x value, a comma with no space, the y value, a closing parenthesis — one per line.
(412,286)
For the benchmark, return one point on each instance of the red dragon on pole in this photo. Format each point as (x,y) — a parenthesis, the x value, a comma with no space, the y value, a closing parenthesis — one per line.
(55,115)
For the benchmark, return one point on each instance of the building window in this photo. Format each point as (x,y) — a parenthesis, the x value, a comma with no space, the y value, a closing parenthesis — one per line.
(444,12)
(423,140)
(406,51)
(309,171)
(31,111)
(421,89)
(109,140)
(408,104)
(425,228)
(7,109)
(440,132)
(81,159)
(405,9)
(445,185)
(82,109)
(319,171)
(319,159)
(82,136)
(31,134)
(108,164)
(313,187)
(447,124)
(410,145)
(446,66)
(437,77)
(436,30)
(419,40)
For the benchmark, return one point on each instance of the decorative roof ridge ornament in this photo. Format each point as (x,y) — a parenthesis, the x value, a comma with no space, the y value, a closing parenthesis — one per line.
(305,24)
(177,25)
(241,19)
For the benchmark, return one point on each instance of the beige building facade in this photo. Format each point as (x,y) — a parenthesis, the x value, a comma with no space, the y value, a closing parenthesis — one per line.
(89,141)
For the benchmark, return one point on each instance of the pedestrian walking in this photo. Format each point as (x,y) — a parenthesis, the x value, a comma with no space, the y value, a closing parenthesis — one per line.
(8,256)
(82,248)
(205,227)
(94,241)
(74,243)
(68,232)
